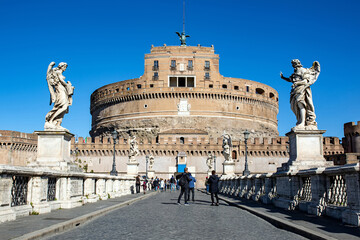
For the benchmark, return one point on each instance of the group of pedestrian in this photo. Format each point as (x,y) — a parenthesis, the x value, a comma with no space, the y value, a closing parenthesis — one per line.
(187,185)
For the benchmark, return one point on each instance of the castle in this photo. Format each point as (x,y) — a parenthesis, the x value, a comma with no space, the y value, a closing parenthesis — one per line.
(178,110)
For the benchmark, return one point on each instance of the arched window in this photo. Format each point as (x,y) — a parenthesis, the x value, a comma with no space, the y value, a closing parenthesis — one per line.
(182,140)
(260,91)
(271,95)
(234,155)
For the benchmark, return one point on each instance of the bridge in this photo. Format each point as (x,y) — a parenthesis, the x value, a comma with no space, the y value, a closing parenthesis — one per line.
(156,215)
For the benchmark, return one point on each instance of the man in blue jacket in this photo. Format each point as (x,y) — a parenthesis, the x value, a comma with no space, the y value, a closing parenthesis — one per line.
(191,187)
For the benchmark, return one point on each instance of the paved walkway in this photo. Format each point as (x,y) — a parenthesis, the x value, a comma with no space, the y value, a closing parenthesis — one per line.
(29,224)
(324,225)
(159,217)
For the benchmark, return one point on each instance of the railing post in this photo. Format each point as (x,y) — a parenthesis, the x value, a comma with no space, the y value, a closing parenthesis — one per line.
(318,194)
(352,214)
(6,212)
(38,194)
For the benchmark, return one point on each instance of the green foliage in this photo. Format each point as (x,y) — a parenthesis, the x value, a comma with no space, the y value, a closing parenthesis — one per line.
(34,213)
(108,195)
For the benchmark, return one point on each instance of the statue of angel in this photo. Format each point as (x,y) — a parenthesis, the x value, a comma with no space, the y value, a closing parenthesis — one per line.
(134,149)
(210,161)
(227,147)
(151,161)
(300,95)
(182,38)
(60,94)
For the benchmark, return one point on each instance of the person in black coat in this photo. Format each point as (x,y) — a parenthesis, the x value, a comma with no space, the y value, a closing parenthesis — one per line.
(185,186)
(214,188)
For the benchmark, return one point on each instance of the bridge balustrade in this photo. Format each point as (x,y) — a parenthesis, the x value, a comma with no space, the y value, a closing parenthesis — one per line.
(25,190)
(333,191)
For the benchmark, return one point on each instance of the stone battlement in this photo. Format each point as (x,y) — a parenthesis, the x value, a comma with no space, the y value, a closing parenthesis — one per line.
(17,148)
(351,128)
(257,147)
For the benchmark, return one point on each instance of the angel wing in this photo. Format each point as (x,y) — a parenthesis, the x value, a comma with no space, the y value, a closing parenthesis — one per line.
(50,78)
(187,36)
(314,72)
(178,34)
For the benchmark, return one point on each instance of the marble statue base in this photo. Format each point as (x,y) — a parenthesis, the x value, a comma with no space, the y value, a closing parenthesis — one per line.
(132,168)
(151,173)
(54,151)
(228,168)
(306,151)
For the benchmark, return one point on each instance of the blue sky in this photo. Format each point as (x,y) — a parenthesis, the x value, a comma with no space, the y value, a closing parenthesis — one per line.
(105,42)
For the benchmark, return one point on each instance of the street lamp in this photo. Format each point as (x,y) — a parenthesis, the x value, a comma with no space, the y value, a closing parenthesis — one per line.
(246,171)
(113,172)
(147,160)
(214,162)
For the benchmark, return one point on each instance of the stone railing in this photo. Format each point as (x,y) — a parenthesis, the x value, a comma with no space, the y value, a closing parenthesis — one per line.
(333,191)
(25,190)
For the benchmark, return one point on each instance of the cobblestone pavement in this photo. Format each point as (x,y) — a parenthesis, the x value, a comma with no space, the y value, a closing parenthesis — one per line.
(24,225)
(159,217)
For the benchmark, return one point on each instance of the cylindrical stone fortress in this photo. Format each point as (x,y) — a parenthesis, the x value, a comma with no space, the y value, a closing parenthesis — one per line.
(182,92)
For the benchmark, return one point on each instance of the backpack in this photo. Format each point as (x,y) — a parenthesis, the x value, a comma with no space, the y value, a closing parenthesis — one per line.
(182,180)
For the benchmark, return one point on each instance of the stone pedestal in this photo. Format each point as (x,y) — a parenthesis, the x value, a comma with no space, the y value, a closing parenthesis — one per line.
(151,173)
(228,168)
(306,151)
(54,151)
(132,168)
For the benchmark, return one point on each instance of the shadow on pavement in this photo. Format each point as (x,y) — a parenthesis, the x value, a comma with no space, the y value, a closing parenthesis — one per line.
(324,223)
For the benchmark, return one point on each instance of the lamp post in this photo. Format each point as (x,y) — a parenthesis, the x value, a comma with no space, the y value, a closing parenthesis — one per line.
(246,171)
(215,162)
(113,172)
(147,160)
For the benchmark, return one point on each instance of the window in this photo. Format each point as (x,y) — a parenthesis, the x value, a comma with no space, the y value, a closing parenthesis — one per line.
(173,82)
(151,85)
(145,105)
(173,64)
(156,65)
(182,140)
(236,87)
(190,82)
(247,88)
(128,88)
(271,95)
(207,75)
(207,65)
(224,86)
(117,90)
(211,86)
(181,82)
(190,64)
(259,91)
(237,108)
(138,86)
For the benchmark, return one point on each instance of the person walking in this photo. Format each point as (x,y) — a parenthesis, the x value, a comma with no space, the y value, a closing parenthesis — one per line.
(191,187)
(172,184)
(207,184)
(162,184)
(214,188)
(145,185)
(184,180)
(137,183)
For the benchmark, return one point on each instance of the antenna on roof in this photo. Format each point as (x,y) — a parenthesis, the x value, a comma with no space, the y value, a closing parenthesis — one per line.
(183,36)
